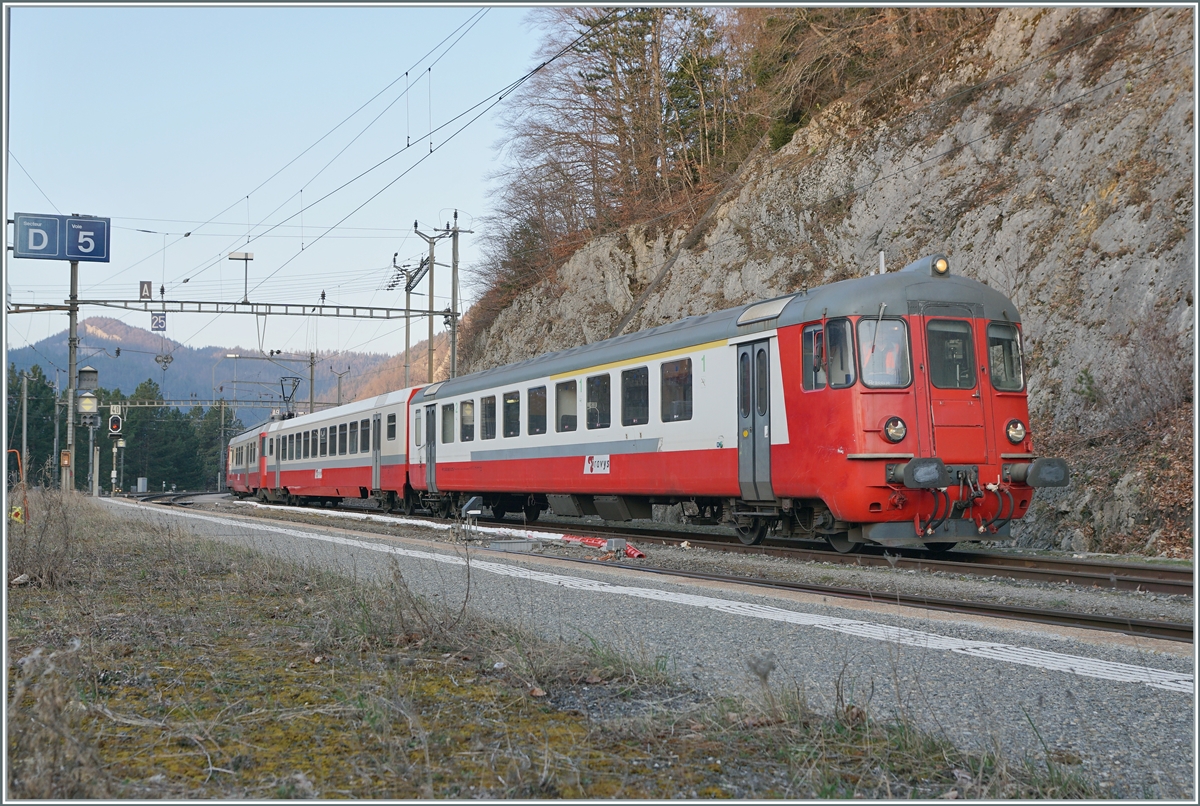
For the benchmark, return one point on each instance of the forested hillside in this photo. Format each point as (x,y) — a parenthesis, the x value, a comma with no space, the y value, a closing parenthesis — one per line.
(680,161)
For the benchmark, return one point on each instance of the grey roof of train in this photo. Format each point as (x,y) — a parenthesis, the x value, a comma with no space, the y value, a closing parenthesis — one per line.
(905,291)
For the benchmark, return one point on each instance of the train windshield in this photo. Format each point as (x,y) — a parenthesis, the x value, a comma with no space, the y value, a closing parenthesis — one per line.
(951,354)
(1004,355)
(883,353)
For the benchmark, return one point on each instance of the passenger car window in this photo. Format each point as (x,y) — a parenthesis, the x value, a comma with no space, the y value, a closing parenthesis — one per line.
(487,417)
(466,416)
(1004,357)
(676,390)
(599,411)
(354,437)
(305,452)
(342,439)
(391,427)
(364,436)
(635,396)
(512,414)
(883,353)
(417,430)
(839,341)
(566,405)
(537,410)
(951,354)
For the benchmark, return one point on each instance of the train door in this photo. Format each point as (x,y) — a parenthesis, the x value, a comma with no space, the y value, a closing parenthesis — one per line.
(955,403)
(276,442)
(431,448)
(754,421)
(260,470)
(375,451)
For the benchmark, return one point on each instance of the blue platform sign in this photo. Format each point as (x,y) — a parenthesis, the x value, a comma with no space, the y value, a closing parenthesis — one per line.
(60,237)
(158,322)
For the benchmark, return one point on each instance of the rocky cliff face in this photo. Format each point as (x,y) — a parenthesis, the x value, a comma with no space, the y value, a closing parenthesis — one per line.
(1052,159)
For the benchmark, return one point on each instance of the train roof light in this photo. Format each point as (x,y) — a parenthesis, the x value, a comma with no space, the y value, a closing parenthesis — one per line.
(935,265)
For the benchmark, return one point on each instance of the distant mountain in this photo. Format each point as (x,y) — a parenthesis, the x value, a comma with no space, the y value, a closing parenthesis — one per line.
(192,372)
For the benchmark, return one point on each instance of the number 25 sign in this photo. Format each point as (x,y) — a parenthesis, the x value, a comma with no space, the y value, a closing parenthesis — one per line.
(60,237)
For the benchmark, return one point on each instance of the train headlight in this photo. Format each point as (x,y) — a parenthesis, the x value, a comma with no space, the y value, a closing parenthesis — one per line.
(1015,431)
(895,429)
(941,266)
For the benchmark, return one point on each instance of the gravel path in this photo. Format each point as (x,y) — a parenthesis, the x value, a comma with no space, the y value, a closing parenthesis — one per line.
(1135,739)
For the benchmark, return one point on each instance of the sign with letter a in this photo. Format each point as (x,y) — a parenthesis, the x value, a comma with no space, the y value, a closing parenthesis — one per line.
(144,290)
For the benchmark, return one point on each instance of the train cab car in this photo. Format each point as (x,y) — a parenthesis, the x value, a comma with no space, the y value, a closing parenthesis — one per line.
(907,411)
(887,409)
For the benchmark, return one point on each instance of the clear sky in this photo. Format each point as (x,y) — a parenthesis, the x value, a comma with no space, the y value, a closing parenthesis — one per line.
(187,119)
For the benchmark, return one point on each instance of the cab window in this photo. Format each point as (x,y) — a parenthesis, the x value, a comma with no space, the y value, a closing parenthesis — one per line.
(814,358)
(883,353)
(951,354)
(1004,357)
(839,341)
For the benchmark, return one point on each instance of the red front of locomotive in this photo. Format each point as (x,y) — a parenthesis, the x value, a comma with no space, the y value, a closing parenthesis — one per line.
(910,423)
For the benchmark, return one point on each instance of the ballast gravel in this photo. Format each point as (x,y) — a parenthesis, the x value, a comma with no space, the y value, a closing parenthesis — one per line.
(936,585)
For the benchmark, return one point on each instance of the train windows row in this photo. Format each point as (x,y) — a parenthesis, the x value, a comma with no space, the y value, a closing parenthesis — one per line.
(243,454)
(334,440)
(676,405)
(827,354)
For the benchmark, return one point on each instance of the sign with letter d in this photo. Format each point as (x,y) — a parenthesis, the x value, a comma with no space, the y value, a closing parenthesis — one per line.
(60,237)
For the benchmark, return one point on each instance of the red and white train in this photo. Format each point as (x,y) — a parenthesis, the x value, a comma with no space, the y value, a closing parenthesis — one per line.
(887,409)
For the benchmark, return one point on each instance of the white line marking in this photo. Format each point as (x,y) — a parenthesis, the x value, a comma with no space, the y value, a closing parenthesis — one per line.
(1008,653)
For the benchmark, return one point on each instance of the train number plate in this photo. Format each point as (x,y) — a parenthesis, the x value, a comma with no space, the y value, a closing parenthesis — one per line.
(595,464)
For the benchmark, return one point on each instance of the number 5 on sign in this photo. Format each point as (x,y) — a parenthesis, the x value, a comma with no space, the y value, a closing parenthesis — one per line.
(158,323)
(87,239)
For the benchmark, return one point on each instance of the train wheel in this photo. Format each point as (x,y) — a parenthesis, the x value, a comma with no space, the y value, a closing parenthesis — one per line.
(752,533)
(498,512)
(444,508)
(532,511)
(938,549)
(406,503)
(842,545)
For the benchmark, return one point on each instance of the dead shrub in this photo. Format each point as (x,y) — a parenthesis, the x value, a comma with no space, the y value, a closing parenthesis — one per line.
(49,753)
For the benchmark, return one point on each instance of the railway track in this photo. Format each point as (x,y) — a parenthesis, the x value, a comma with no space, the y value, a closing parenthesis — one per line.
(1082,573)
(1127,576)
(1147,628)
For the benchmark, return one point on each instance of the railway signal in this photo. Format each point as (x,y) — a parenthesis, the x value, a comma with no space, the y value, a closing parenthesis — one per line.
(114,425)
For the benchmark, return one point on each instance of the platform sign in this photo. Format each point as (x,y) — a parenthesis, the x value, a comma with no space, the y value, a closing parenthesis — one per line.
(144,290)
(158,322)
(60,237)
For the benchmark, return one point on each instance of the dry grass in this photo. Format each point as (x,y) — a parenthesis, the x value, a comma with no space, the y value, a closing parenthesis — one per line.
(151,663)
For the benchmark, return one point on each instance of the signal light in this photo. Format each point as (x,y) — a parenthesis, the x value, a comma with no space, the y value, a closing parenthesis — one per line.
(114,424)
